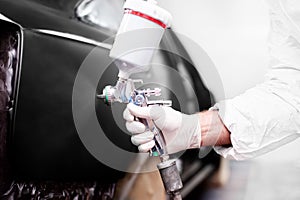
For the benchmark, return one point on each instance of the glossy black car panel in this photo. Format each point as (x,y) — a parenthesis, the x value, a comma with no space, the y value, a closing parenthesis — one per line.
(44,141)
(46,144)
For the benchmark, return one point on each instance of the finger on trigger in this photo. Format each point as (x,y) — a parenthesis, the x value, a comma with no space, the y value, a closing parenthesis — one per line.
(141,112)
(135,127)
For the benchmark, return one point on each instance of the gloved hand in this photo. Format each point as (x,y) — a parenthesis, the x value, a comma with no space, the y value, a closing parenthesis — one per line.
(180,131)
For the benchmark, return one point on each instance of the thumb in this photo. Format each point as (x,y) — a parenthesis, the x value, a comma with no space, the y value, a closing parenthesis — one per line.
(141,112)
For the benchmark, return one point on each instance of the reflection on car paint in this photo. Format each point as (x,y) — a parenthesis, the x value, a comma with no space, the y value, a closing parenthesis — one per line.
(74,37)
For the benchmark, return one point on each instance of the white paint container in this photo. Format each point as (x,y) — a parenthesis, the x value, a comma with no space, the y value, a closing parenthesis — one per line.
(139,36)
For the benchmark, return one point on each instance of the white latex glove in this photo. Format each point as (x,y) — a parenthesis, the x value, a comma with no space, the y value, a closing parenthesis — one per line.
(180,131)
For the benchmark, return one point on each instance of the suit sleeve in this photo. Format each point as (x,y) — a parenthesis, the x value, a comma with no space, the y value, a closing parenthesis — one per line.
(267,116)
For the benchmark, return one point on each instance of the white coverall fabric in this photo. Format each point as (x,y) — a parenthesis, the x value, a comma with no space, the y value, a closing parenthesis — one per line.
(268,116)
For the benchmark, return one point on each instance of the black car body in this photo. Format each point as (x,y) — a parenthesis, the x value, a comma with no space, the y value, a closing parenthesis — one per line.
(50,43)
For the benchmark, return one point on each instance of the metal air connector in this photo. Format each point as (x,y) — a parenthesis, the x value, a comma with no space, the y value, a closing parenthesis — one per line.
(171,178)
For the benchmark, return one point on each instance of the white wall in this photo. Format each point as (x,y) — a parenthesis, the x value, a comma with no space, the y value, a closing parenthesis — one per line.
(233,33)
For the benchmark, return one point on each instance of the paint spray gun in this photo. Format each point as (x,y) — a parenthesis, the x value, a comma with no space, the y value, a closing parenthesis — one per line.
(139,35)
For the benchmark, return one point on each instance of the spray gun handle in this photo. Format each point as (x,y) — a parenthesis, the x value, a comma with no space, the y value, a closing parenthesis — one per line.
(140,98)
(159,147)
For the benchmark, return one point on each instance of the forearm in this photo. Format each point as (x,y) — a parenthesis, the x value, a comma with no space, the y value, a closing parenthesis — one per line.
(213,130)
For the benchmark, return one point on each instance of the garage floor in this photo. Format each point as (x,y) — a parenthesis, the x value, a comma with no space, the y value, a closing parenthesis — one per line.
(275,176)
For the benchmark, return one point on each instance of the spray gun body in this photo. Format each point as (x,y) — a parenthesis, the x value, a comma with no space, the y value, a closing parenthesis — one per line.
(139,35)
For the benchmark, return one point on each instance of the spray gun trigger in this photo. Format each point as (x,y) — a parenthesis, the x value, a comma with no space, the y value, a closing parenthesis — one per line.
(138,81)
(167,103)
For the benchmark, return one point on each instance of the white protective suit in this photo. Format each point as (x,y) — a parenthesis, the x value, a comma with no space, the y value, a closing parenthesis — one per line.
(268,116)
